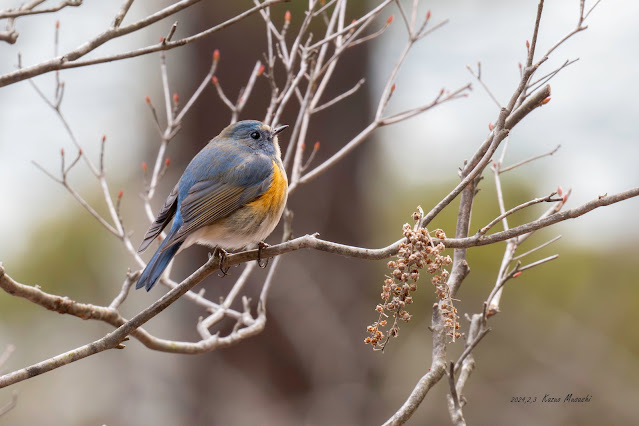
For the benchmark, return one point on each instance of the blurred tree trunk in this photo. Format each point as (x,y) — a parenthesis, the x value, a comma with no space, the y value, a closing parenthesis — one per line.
(310,308)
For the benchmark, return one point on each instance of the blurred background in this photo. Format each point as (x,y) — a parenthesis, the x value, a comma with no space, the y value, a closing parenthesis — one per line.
(565,327)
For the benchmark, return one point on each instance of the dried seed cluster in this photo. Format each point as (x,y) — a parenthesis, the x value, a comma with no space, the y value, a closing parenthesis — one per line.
(418,251)
(451,325)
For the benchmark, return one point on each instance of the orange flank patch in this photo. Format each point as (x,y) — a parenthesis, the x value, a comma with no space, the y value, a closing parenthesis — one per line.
(275,195)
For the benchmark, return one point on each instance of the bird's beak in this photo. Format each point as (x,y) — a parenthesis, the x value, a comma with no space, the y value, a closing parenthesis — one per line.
(279,129)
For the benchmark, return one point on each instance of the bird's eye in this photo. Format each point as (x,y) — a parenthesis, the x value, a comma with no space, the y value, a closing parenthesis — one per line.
(255,135)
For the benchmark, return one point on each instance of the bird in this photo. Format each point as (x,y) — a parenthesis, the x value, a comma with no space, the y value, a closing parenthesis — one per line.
(231,195)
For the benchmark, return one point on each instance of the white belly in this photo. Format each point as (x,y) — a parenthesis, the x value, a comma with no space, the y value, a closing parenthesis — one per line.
(236,231)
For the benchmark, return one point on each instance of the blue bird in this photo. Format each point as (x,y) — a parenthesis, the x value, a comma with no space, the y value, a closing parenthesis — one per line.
(231,195)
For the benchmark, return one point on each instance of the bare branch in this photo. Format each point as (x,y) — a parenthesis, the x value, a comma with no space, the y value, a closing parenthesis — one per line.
(167,91)
(546,78)
(221,94)
(470,345)
(430,379)
(80,200)
(370,36)
(362,20)
(311,241)
(454,406)
(28,9)
(115,338)
(119,17)
(537,263)
(361,137)
(483,155)
(537,248)
(6,353)
(537,157)
(70,59)
(245,93)
(547,199)
(478,77)
(589,11)
(131,278)
(340,97)
(204,325)
(10,405)
(405,115)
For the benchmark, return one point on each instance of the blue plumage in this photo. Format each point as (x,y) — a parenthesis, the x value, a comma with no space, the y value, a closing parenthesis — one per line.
(159,261)
(231,194)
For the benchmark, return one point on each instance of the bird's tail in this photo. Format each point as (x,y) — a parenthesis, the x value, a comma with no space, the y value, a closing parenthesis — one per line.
(158,264)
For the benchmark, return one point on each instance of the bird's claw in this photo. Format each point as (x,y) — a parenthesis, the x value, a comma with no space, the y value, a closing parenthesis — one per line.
(261,245)
(223,253)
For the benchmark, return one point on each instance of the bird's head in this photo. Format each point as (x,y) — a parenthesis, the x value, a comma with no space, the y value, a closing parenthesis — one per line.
(254,134)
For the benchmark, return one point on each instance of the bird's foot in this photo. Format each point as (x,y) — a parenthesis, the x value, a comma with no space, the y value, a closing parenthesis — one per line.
(261,245)
(222,254)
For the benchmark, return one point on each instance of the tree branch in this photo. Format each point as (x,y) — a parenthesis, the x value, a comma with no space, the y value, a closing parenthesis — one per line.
(70,59)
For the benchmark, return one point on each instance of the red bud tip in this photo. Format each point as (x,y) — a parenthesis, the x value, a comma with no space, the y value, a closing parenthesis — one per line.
(545,101)
(303,146)
(144,166)
(560,190)
(103,138)
(490,126)
(389,20)
(441,92)
(214,80)
(260,70)
(162,40)
(317,145)
(62,151)
(62,84)
(353,21)
(527,44)
(393,87)
(516,274)
(148,100)
(216,55)
(176,98)
(80,151)
(120,194)
(494,164)
(167,162)
(564,198)
(428,15)
(520,65)
(57,24)
(287,16)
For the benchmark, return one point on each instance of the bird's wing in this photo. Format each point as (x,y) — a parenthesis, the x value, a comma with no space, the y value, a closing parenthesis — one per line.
(164,216)
(212,199)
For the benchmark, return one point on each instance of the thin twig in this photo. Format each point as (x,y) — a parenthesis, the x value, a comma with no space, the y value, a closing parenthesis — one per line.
(340,97)
(10,405)
(27,10)
(537,157)
(537,263)
(6,354)
(547,199)
(71,58)
(470,346)
(478,77)
(547,243)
